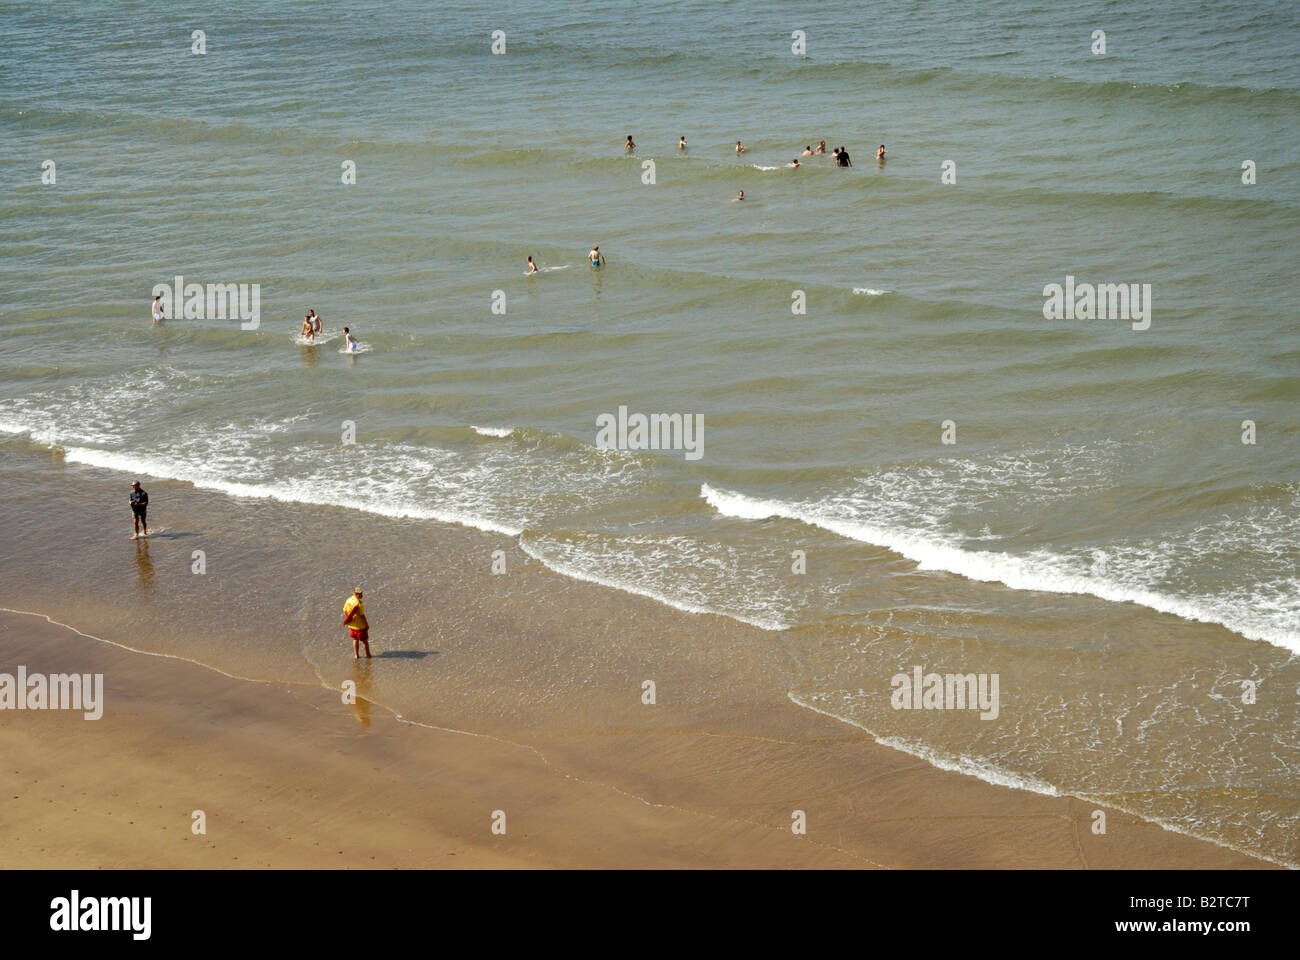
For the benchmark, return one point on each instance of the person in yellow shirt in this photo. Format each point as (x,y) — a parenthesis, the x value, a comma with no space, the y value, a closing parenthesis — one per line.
(354,618)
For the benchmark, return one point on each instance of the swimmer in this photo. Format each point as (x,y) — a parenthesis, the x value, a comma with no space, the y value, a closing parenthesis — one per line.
(532,267)
(629,146)
(307,332)
(795,163)
(880,154)
(156,309)
(808,151)
(350,343)
(843,158)
(596,258)
(821,147)
(740,148)
(739,196)
(681,143)
(316,323)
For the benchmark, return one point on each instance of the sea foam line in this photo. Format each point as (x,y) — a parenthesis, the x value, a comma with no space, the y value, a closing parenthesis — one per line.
(317,494)
(577,573)
(992,773)
(1019,573)
(320,493)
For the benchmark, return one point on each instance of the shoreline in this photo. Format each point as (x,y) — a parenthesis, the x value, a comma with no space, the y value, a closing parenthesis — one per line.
(281,769)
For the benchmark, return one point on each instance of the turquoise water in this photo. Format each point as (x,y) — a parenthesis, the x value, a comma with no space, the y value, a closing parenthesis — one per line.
(1091,459)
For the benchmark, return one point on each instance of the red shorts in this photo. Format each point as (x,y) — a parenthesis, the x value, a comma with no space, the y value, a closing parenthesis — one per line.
(362,635)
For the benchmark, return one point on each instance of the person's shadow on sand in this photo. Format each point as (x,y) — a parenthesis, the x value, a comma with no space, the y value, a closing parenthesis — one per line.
(404,654)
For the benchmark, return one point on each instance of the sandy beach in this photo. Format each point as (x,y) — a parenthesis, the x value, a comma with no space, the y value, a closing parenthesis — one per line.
(289,776)
(511,699)
(936,510)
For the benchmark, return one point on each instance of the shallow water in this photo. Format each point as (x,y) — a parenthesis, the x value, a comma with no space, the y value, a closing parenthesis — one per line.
(1098,534)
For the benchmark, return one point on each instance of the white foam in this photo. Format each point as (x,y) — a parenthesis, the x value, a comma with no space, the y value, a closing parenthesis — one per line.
(493,431)
(981,769)
(870,291)
(304,490)
(490,487)
(639,588)
(1039,570)
(991,772)
(759,166)
(321,338)
(88,411)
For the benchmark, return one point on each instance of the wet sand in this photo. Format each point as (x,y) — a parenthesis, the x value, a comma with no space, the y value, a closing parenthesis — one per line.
(519,693)
(290,776)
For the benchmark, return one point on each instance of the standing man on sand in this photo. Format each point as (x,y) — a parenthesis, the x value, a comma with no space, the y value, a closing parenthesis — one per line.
(139,504)
(354,618)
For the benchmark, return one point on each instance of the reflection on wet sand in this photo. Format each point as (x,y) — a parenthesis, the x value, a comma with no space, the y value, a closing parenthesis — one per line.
(361,692)
(144,565)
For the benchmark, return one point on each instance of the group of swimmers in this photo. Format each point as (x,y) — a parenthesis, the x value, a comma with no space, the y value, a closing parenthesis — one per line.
(594,257)
(840,155)
(313,325)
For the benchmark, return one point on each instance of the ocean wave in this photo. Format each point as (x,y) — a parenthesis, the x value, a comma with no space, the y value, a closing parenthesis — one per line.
(306,490)
(530,476)
(88,411)
(980,768)
(1267,612)
(679,572)
(631,578)
(990,771)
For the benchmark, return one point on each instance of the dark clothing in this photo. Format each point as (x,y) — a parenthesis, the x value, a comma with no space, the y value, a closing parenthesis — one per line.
(139,502)
(843,159)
